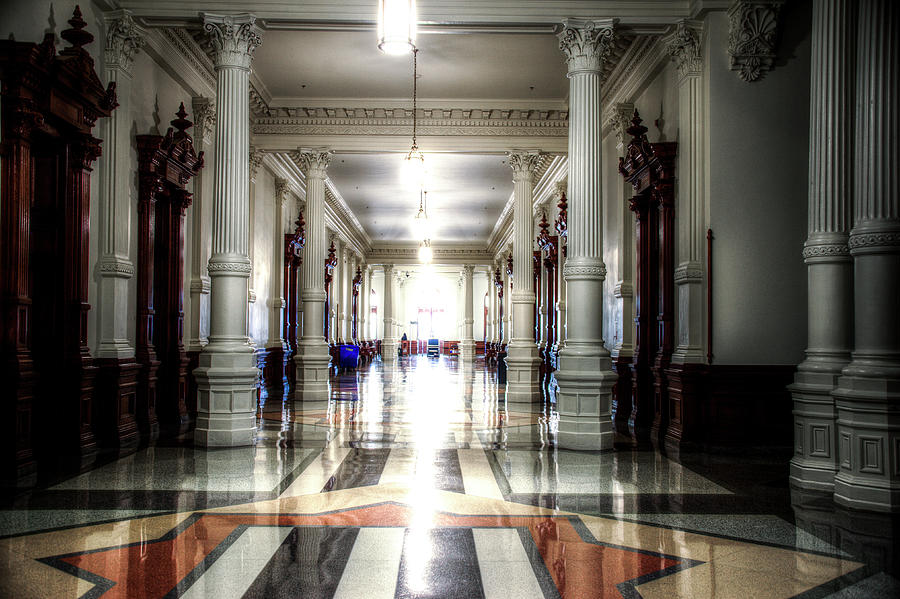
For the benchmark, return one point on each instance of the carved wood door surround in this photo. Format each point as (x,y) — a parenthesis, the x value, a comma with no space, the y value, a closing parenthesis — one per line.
(650,168)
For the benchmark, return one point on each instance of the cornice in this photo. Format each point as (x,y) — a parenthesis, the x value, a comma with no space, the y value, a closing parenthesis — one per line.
(646,55)
(395,254)
(182,59)
(398,121)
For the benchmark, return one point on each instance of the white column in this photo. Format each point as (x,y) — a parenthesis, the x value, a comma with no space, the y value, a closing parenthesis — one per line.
(868,393)
(123,40)
(204,125)
(522,358)
(361,302)
(489,323)
(227,374)
(684,48)
(507,304)
(826,253)
(389,343)
(585,376)
(312,349)
(276,276)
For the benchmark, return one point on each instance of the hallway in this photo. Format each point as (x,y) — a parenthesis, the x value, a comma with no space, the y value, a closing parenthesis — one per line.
(415,481)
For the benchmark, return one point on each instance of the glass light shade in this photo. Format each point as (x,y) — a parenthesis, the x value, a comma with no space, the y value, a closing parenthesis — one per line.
(414,169)
(425,254)
(396,26)
(421,226)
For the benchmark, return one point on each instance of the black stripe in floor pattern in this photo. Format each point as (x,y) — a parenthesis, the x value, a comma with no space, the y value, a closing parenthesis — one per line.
(361,468)
(308,564)
(447,570)
(448,472)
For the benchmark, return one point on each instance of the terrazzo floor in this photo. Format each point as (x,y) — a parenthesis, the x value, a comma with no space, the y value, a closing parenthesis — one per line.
(416,481)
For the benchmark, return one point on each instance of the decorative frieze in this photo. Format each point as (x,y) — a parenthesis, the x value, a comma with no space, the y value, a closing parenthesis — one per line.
(752,35)
(373,121)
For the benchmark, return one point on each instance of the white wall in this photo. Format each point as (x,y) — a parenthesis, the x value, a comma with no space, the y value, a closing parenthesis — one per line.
(758,145)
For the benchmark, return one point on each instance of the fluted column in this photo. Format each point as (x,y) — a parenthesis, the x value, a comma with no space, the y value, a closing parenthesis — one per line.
(312,350)
(507,305)
(389,343)
(522,358)
(585,376)
(684,48)
(276,276)
(826,253)
(227,373)
(204,125)
(868,394)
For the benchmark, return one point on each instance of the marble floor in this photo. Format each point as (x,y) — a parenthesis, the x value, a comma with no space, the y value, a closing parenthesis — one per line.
(416,481)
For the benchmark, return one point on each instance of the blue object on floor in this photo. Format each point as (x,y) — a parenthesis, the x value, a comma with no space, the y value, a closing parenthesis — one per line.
(349,356)
(434,348)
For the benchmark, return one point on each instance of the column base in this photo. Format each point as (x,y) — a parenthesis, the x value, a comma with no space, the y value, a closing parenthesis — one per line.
(226,387)
(814,464)
(584,400)
(523,375)
(389,350)
(868,411)
(312,366)
(467,350)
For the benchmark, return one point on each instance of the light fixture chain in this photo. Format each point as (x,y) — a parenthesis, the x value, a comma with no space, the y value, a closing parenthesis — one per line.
(415,89)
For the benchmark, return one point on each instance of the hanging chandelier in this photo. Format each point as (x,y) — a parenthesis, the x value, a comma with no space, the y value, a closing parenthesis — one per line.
(425,253)
(421,224)
(414,161)
(396,26)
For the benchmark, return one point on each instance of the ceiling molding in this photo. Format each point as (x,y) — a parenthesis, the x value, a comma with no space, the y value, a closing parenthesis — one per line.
(430,12)
(179,56)
(409,254)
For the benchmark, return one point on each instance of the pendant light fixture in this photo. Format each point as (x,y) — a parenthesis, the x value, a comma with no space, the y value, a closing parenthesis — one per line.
(422,229)
(396,26)
(414,161)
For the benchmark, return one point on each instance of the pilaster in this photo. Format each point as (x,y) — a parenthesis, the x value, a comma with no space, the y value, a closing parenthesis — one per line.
(684,47)
(826,253)
(585,376)
(117,375)
(389,344)
(227,373)
(313,357)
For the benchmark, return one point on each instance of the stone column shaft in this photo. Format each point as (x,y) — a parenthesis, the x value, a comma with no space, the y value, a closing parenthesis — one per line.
(467,345)
(522,359)
(585,376)
(868,394)
(227,374)
(826,252)
(312,349)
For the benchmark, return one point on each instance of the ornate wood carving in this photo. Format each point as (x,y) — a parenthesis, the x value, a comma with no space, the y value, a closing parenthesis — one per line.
(330,263)
(354,322)
(498,283)
(50,105)
(650,168)
(165,165)
(293,258)
(562,225)
(549,244)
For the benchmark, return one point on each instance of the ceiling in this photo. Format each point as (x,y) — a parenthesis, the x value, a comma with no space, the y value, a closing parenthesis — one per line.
(302,67)
(466,193)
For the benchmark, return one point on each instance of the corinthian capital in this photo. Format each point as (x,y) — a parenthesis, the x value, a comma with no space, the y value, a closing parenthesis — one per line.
(524,163)
(282,187)
(233,37)
(683,45)
(586,44)
(123,40)
(312,162)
